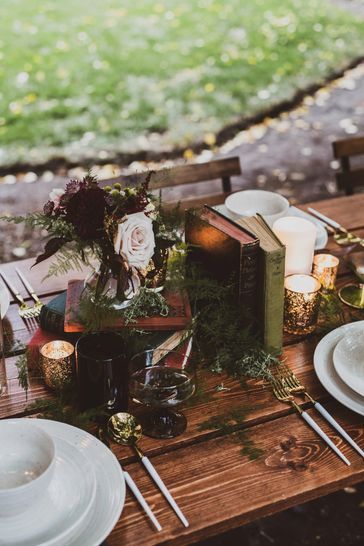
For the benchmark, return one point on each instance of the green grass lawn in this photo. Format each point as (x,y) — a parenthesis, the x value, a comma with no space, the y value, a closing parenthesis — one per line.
(82,78)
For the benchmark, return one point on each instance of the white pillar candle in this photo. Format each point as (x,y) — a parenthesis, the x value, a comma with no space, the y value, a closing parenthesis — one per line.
(299,236)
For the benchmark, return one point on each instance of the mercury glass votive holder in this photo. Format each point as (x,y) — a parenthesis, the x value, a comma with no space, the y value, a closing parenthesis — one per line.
(56,361)
(325,268)
(301,303)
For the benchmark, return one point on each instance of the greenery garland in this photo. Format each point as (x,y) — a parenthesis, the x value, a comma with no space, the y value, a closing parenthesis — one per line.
(223,343)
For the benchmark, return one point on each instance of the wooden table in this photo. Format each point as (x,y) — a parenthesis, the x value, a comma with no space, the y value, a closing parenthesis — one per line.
(217,487)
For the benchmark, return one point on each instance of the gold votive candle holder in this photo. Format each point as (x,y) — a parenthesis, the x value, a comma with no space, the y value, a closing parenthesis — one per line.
(56,361)
(301,303)
(325,268)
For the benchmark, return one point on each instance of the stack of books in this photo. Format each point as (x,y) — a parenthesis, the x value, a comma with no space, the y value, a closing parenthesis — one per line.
(59,319)
(248,249)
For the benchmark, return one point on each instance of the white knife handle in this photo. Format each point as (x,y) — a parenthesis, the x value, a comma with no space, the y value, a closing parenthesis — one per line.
(12,289)
(158,480)
(324,218)
(338,427)
(324,436)
(139,497)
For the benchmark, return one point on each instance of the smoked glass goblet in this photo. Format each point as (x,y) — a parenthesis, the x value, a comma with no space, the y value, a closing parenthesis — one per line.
(161,380)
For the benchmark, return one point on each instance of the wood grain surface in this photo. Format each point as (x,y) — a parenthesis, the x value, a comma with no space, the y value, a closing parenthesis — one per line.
(215,485)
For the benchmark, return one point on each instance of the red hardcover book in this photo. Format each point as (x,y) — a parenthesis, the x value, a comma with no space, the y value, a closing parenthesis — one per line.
(179,316)
(40,338)
(225,249)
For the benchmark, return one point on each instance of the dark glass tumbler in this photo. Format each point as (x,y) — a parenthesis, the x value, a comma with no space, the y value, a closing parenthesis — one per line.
(102,371)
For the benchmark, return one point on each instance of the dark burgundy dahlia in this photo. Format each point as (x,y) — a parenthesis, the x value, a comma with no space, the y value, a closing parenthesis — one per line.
(85,210)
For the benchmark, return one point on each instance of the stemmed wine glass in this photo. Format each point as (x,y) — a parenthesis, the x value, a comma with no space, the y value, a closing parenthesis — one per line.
(161,380)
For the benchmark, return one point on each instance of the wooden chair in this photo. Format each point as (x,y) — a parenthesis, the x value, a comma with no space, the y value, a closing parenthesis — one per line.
(348,179)
(180,175)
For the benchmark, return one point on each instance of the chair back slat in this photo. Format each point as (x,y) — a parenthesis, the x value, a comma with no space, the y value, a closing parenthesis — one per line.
(348,179)
(185,174)
(348,147)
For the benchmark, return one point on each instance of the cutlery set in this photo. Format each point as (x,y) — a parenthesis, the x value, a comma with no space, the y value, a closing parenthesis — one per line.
(286,386)
(341,235)
(26,312)
(124,429)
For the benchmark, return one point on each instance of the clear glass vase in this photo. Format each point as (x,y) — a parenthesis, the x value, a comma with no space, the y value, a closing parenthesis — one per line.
(115,284)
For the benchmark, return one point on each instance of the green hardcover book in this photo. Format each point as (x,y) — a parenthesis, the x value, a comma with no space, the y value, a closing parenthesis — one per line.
(271,281)
(51,316)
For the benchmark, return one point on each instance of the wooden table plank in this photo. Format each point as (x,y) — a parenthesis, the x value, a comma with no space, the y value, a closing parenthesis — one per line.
(347,211)
(218,488)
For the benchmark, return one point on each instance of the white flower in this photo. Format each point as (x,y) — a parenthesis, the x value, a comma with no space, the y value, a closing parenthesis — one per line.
(134,240)
(150,207)
(56,195)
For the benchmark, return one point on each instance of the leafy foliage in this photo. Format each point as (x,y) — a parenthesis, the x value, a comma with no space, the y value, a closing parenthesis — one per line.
(76,89)
(22,367)
(64,408)
(146,304)
(334,313)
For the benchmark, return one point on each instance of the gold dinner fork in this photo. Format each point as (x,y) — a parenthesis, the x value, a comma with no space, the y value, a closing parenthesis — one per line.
(291,382)
(283,395)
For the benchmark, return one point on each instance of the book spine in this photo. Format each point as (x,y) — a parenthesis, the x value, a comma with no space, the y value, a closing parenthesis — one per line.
(51,321)
(248,279)
(273,299)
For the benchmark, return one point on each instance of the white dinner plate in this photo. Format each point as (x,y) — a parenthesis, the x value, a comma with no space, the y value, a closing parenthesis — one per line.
(321,237)
(110,483)
(64,508)
(325,371)
(349,360)
(4,300)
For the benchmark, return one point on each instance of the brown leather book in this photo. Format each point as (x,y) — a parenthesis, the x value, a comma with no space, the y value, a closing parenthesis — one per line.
(225,250)
(179,316)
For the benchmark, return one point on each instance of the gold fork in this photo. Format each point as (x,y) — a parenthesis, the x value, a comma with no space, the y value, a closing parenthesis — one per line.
(283,395)
(25,311)
(38,304)
(293,385)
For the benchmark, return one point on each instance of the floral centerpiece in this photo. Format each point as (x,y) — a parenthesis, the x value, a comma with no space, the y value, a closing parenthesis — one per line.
(122,230)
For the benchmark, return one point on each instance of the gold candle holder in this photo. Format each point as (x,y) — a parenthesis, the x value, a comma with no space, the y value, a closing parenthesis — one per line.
(56,360)
(325,268)
(301,303)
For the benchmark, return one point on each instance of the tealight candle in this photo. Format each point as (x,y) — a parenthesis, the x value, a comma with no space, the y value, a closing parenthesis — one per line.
(298,236)
(325,268)
(301,303)
(57,363)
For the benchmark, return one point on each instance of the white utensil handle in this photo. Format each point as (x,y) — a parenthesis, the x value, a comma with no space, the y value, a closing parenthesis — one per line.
(158,480)
(139,497)
(26,283)
(324,436)
(324,218)
(338,427)
(12,288)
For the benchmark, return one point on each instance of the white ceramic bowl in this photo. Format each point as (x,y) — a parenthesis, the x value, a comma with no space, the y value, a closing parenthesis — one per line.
(27,459)
(4,300)
(248,202)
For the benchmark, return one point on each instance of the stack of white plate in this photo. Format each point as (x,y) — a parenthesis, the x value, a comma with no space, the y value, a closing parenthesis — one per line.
(83,500)
(339,365)
(4,300)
